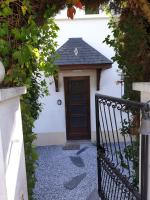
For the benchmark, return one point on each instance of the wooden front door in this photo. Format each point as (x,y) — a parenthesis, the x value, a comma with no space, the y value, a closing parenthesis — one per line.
(77,100)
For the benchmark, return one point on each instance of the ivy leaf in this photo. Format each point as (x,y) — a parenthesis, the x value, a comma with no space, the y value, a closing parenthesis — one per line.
(16,33)
(71,11)
(3,30)
(36,53)
(24,9)
(23,55)
(7,11)
(17,56)
(79,5)
(4,47)
(19,34)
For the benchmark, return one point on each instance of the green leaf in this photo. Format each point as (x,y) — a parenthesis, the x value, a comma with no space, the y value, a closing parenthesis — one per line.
(3,29)
(7,11)
(16,33)
(4,47)
(24,9)
(36,53)
(23,55)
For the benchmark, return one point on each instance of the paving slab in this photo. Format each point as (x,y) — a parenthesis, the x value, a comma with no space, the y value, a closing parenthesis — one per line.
(71,147)
(77,161)
(82,150)
(74,182)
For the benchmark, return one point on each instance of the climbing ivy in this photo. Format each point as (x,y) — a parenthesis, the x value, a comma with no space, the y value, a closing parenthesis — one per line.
(27,41)
(131,42)
(26,46)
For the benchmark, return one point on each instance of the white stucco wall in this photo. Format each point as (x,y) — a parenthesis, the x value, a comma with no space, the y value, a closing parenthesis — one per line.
(51,126)
(13,184)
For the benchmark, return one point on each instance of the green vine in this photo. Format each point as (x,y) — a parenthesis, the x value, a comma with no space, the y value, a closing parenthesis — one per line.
(131,42)
(27,41)
(26,46)
(131,151)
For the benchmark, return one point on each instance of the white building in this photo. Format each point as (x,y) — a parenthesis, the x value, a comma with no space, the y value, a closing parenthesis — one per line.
(61,118)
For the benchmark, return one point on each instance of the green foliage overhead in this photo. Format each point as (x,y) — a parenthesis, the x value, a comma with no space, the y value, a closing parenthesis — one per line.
(26,49)
(131,42)
(27,41)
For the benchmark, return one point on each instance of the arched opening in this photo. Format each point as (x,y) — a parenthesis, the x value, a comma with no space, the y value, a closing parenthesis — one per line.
(24,32)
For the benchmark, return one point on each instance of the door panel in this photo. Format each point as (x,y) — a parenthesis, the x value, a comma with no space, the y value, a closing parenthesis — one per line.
(77,100)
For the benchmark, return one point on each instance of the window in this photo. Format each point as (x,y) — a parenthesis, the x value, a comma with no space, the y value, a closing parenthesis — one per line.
(89,10)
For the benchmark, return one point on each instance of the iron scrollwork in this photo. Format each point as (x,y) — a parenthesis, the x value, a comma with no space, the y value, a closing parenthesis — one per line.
(117,132)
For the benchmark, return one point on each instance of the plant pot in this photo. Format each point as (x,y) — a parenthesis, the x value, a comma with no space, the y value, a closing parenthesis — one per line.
(2,72)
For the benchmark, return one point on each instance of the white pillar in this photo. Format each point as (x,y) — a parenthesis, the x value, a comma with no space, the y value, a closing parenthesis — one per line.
(13,183)
(144,88)
(3,190)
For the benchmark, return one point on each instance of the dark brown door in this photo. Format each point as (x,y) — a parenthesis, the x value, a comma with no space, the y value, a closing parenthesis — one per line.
(77,100)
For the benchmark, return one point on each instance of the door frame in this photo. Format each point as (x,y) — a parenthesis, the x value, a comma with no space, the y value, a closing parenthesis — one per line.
(89,106)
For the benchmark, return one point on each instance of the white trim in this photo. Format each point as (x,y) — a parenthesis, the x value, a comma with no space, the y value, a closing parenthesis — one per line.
(44,139)
(86,17)
(57,138)
(9,93)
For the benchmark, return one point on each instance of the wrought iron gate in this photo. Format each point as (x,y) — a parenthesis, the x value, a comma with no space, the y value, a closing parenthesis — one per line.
(117,124)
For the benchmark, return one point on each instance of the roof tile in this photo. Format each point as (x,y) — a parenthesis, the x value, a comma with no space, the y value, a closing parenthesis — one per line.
(77,51)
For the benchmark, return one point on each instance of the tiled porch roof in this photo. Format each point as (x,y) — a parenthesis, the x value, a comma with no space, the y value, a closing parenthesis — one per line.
(77,52)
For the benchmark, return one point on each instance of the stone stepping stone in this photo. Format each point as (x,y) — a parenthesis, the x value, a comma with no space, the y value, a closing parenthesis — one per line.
(74,182)
(94,195)
(71,147)
(82,150)
(77,161)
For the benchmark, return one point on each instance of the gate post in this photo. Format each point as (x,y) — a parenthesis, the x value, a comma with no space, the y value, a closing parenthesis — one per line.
(13,183)
(144,88)
(98,144)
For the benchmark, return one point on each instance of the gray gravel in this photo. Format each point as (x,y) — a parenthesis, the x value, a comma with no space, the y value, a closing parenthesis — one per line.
(55,169)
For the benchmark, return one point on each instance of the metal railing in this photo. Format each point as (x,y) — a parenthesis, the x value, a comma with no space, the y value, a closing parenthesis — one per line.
(117,125)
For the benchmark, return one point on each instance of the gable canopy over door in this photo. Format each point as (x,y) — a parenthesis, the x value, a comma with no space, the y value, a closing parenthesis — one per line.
(76,54)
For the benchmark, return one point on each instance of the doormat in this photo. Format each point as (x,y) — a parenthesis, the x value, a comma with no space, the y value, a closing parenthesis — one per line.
(71,147)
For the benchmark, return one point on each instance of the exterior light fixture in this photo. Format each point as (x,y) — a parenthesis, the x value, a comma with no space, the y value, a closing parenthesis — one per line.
(59,102)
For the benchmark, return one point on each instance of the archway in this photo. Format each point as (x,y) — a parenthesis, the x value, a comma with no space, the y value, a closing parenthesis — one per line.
(20,42)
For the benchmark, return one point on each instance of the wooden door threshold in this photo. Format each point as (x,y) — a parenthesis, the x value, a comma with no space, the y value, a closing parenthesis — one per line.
(79,142)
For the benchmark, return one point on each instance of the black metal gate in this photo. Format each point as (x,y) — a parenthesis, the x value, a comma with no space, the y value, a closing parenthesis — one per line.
(117,123)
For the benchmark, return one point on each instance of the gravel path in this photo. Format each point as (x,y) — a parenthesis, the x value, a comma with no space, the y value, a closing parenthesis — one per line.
(66,174)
